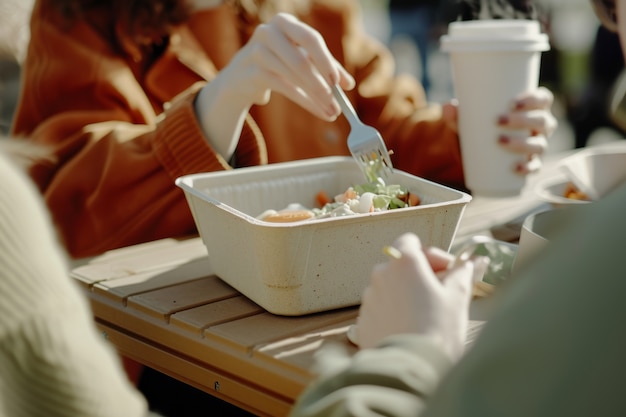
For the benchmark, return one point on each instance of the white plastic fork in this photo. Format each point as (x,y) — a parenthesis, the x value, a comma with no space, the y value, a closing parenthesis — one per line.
(365,143)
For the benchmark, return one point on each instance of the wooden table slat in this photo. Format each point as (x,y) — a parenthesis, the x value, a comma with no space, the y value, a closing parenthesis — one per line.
(123,287)
(237,391)
(297,351)
(165,253)
(213,354)
(265,328)
(165,301)
(199,318)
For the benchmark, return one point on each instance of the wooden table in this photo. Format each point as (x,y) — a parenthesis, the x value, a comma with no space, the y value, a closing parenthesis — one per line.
(160,304)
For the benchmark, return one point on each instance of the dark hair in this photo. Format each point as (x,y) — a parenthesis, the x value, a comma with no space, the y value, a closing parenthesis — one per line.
(155,18)
(138,17)
(495,9)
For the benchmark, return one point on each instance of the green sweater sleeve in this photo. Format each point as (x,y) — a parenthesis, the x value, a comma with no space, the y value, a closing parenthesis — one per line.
(394,379)
(553,346)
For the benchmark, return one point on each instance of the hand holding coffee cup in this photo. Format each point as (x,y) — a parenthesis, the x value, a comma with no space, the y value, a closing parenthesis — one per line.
(495,67)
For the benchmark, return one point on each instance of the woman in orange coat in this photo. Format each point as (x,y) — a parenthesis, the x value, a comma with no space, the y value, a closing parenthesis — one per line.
(131,95)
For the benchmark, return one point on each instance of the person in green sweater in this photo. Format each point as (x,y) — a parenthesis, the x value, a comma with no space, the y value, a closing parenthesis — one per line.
(554,345)
(53,361)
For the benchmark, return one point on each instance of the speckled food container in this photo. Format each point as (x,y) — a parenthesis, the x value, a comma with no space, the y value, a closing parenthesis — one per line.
(308,266)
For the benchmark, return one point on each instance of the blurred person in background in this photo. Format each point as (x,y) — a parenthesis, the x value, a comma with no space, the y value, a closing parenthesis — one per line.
(424,21)
(415,19)
(490,9)
(553,345)
(591,110)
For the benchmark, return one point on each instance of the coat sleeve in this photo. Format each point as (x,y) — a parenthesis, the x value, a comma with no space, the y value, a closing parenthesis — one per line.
(116,148)
(396,105)
(395,379)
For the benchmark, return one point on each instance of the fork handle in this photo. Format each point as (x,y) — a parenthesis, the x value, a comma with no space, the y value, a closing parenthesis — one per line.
(346,106)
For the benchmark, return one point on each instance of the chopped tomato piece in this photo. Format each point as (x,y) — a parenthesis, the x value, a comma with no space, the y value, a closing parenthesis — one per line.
(322,199)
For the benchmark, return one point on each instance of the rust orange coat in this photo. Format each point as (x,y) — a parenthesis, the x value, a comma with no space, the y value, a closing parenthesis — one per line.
(123,130)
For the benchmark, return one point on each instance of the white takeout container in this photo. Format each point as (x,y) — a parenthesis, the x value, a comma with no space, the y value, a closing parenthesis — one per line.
(599,170)
(538,230)
(533,236)
(315,265)
(553,191)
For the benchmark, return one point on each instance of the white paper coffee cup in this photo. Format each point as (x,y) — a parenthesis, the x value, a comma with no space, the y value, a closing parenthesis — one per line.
(493,61)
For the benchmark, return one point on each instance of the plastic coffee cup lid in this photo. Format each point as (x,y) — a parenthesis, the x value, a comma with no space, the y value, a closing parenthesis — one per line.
(494,35)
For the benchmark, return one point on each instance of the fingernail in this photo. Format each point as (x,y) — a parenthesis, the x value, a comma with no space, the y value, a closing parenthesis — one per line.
(333,111)
(352,83)
(520,168)
(392,252)
(502,120)
(518,105)
(504,140)
(334,78)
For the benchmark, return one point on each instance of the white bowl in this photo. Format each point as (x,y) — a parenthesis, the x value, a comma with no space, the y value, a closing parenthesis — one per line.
(553,191)
(596,170)
(537,231)
(307,266)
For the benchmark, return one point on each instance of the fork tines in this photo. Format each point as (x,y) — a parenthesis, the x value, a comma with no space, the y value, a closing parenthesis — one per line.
(375,162)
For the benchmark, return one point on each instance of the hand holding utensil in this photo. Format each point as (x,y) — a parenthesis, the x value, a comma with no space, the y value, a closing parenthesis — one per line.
(425,291)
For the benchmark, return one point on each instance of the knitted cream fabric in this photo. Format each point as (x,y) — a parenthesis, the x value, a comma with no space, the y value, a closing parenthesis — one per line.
(52,360)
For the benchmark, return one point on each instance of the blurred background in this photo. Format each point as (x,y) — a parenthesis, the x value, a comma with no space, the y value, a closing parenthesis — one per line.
(581,69)
(14,15)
